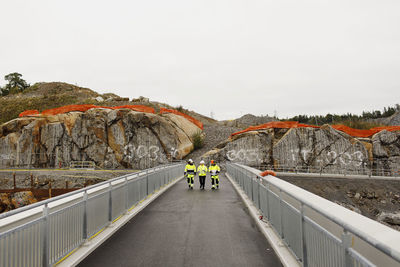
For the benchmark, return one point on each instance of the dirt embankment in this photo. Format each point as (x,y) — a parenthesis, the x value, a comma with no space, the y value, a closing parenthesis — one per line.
(376,199)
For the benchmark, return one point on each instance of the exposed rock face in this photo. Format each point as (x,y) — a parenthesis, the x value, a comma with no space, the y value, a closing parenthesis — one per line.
(248,120)
(386,150)
(15,200)
(325,148)
(110,138)
(393,120)
(252,148)
(321,149)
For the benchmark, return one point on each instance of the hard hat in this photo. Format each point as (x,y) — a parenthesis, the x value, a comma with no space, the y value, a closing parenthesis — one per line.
(190,161)
(212,161)
(202,162)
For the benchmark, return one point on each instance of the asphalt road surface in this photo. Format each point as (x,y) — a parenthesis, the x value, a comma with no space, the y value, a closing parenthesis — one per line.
(185,227)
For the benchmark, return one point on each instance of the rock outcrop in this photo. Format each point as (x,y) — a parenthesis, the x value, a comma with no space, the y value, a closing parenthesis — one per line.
(393,120)
(248,120)
(119,138)
(386,151)
(10,201)
(320,149)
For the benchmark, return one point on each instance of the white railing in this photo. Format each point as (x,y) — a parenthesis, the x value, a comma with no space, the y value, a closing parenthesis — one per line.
(317,231)
(43,233)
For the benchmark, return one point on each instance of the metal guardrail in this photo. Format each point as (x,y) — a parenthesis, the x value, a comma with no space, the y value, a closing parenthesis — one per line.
(82,165)
(309,241)
(43,233)
(384,172)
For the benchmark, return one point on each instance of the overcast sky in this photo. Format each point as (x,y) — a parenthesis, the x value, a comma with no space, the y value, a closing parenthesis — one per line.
(229,57)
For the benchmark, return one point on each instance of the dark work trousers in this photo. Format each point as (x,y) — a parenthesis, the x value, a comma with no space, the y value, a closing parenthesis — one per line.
(190,180)
(202,181)
(214,180)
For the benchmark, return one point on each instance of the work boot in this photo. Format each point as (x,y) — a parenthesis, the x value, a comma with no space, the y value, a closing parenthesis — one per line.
(217,186)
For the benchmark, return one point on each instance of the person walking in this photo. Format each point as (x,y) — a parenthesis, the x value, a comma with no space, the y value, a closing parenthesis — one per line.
(202,171)
(190,172)
(214,170)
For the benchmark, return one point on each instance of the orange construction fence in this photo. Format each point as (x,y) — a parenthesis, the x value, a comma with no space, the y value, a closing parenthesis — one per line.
(83,108)
(189,118)
(86,107)
(29,113)
(295,124)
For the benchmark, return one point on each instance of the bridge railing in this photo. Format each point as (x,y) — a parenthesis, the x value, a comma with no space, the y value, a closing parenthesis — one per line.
(318,232)
(43,233)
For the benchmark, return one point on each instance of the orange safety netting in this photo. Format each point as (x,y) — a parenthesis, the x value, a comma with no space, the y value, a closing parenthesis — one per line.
(69,108)
(191,119)
(139,108)
(295,124)
(29,113)
(355,132)
(83,108)
(275,124)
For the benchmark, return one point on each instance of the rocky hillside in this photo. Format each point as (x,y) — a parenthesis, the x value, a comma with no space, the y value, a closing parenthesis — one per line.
(393,120)
(248,120)
(119,138)
(320,149)
(42,96)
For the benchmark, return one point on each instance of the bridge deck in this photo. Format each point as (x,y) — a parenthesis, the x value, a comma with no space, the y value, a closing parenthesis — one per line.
(188,228)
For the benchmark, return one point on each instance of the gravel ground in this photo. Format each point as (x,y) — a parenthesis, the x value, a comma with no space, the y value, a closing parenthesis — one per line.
(365,196)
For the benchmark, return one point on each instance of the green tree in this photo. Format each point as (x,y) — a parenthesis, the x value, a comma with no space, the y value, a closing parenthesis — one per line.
(15,83)
(3,91)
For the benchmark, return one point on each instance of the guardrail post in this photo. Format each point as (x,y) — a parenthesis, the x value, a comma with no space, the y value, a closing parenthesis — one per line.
(346,244)
(85,215)
(281,214)
(252,187)
(147,182)
(303,237)
(110,202)
(45,236)
(259,182)
(268,207)
(126,194)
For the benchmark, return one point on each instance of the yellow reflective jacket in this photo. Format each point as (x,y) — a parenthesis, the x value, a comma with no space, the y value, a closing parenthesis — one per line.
(202,170)
(214,170)
(190,170)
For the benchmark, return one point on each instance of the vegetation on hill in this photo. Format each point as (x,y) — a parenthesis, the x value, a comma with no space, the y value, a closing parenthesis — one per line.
(17,96)
(42,96)
(363,121)
(15,84)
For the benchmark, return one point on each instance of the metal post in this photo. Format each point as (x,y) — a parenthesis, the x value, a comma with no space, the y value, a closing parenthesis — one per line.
(268,208)
(259,201)
(45,236)
(346,244)
(126,194)
(281,213)
(147,182)
(85,216)
(110,202)
(303,236)
(252,188)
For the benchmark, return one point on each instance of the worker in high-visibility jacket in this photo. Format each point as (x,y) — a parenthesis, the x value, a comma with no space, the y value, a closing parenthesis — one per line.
(190,172)
(214,171)
(202,171)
